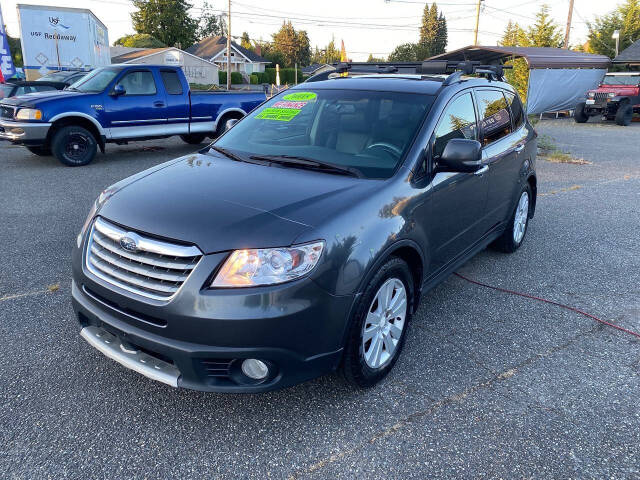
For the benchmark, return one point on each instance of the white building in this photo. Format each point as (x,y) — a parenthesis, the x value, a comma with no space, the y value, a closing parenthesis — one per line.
(196,69)
(214,49)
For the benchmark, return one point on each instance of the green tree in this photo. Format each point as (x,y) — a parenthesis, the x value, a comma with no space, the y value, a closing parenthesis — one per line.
(139,40)
(406,52)
(544,32)
(245,41)
(329,54)
(169,22)
(515,36)
(373,59)
(433,32)
(293,44)
(16,49)
(210,24)
(625,18)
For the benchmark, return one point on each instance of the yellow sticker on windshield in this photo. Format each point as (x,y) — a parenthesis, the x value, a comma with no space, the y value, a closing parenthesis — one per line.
(300,96)
(281,114)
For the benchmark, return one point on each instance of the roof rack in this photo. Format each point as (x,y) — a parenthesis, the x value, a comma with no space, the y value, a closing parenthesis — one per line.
(456,70)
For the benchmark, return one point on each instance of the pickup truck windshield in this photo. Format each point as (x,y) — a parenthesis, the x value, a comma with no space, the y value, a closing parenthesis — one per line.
(631,80)
(367,131)
(96,81)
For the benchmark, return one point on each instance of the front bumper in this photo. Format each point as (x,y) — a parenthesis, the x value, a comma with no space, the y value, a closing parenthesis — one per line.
(200,337)
(26,133)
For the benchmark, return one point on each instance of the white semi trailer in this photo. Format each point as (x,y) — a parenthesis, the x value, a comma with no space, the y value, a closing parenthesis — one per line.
(60,38)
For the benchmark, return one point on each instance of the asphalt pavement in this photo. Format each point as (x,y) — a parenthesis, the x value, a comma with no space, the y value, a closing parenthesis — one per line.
(489,385)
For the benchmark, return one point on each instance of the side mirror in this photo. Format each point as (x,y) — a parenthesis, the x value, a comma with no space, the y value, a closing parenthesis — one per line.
(230,123)
(461,155)
(118,90)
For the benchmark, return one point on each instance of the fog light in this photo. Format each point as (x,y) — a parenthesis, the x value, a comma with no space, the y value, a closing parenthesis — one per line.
(255,369)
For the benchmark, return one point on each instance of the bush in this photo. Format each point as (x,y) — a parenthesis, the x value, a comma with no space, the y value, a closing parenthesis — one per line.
(263,77)
(222,77)
(236,78)
(253,79)
(287,75)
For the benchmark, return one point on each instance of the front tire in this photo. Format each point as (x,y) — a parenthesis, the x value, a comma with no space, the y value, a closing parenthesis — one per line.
(579,116)
(379,325)
(74,146)
(513,236)
(40,151)
(624,115)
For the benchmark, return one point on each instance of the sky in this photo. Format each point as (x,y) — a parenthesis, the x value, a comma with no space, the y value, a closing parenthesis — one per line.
(366,26)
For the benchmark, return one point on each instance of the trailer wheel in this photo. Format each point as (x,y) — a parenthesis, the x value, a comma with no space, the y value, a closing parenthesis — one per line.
(579,115)
(624,114)
(74,146)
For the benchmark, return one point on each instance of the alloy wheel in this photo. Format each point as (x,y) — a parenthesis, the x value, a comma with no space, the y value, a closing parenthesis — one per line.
(382,329)
(521,216)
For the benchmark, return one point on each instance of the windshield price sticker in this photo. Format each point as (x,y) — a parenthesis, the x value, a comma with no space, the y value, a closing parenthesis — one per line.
(296,105)
(300,97)
(281,114)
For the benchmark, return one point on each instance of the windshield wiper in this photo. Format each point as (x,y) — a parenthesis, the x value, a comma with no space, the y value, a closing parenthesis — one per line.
(229,154)
(308,163)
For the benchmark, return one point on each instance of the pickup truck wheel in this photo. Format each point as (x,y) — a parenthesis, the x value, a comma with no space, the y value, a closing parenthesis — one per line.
(40,151)
(379,325)
(222,124)
(193,138)
(74,146)
(579,116)
(514,234)
(624,115)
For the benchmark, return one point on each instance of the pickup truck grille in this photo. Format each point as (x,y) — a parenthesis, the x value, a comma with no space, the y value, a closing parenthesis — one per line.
(601,96)
(154,269)
(6,111)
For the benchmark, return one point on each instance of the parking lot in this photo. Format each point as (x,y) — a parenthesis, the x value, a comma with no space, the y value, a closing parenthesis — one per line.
(490,385)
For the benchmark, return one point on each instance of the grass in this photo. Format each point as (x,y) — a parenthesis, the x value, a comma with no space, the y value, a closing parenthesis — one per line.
(550,152)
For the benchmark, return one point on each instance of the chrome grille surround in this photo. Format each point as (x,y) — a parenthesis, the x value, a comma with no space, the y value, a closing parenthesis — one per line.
(155,270)
(7,111)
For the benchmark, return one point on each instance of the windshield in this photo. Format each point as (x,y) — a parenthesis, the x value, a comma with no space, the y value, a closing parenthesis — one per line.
(368,131)
(96,81)
(5,90)
(632,80)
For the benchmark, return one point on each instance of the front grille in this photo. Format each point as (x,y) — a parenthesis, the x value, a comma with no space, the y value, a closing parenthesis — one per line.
(601,96)
(152,268)
(6,111)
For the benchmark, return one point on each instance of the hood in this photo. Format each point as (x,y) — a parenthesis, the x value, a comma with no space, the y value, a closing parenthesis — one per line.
(221,204)
(39,98)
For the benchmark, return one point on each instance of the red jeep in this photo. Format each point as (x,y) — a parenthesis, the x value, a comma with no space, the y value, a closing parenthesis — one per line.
(617,97)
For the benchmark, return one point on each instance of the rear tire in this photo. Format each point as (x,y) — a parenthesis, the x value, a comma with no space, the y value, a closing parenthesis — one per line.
(40,151)
(579,116)
(513,236)
(193,138)
(74,146)
(379,323)
(624,115)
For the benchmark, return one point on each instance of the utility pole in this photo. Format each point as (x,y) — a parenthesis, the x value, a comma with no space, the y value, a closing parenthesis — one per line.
(566,33)
(229,47)
(475,32)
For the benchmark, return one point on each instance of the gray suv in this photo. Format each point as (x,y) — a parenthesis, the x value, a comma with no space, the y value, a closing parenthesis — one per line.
(301,241)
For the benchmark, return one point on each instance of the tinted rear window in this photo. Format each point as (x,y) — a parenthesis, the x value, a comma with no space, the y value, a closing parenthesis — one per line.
(171,82)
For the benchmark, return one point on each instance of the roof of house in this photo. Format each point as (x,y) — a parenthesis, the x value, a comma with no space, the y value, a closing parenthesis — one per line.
(136,53)
(536,57)
(631,54)
(212,46)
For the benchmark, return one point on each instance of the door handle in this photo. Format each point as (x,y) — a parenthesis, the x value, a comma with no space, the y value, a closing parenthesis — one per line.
(158,104)
(519,148)
(482,171)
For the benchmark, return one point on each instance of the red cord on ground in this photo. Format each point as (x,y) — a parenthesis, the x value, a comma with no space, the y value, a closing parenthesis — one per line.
(539,299)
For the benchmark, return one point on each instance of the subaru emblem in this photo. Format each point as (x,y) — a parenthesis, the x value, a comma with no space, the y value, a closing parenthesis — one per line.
(129,242)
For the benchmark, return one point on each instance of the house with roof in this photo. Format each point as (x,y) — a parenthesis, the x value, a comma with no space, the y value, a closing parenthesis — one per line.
(214,50)
(629,56)
(196,69)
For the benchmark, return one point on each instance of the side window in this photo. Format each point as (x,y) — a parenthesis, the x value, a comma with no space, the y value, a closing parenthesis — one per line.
(516,109)
(494,115)
(138,83)
(21,91)
(171,82)
(458,121)
(44,88)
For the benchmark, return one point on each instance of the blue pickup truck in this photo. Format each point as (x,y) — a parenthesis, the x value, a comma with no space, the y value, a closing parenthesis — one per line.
(118,104)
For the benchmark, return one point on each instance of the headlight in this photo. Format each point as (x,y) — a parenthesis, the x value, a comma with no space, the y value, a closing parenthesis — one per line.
(102,198)
(29,114)
(268,266)
(592,94)
(611,94)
